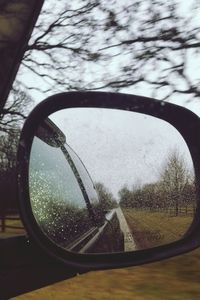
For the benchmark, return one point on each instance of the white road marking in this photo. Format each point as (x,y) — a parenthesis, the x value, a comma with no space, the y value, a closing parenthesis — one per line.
(129,243)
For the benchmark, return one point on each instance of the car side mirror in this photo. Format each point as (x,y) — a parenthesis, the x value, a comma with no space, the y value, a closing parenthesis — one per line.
(110,180)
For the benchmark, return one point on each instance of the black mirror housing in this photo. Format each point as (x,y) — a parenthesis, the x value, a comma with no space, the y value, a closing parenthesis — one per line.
(186,122)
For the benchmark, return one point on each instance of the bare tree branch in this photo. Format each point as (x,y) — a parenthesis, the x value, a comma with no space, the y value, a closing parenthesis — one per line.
(96,45)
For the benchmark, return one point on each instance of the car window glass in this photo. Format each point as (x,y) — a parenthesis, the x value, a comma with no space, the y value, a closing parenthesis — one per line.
(56,172)
(56,197)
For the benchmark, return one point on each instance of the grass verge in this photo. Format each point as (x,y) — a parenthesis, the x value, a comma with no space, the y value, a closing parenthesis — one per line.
(151,229)
(173,279)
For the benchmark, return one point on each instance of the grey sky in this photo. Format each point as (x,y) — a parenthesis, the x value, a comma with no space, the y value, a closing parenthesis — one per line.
(119,147)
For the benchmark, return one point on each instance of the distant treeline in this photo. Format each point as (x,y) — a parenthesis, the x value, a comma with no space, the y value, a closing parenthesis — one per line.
(8,178)
(175,189)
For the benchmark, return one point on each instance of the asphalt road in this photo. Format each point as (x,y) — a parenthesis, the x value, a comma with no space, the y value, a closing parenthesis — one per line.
(129,243)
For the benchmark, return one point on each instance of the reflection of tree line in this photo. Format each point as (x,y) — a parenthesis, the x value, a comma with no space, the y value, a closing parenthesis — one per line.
(173,192)
(105,202)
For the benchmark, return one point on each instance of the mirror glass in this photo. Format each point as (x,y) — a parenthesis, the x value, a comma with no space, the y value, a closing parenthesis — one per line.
(105,180)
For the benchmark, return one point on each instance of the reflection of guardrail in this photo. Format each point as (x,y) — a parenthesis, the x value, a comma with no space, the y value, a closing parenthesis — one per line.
(5,225)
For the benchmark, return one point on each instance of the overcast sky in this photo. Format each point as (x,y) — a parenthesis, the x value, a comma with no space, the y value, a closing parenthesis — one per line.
(119,147)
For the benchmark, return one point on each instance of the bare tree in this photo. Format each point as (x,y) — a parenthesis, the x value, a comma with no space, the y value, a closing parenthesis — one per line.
(175,179)
(8,178)
(11,119)
(175,188)
(101,45)
(110,45)
(60,45)
(16,109)
(157,46)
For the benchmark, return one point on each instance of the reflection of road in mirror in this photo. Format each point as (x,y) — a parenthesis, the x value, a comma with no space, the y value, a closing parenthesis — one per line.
(129,243)
(108,188)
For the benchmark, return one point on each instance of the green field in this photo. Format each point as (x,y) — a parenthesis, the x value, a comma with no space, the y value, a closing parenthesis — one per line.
(151,229)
